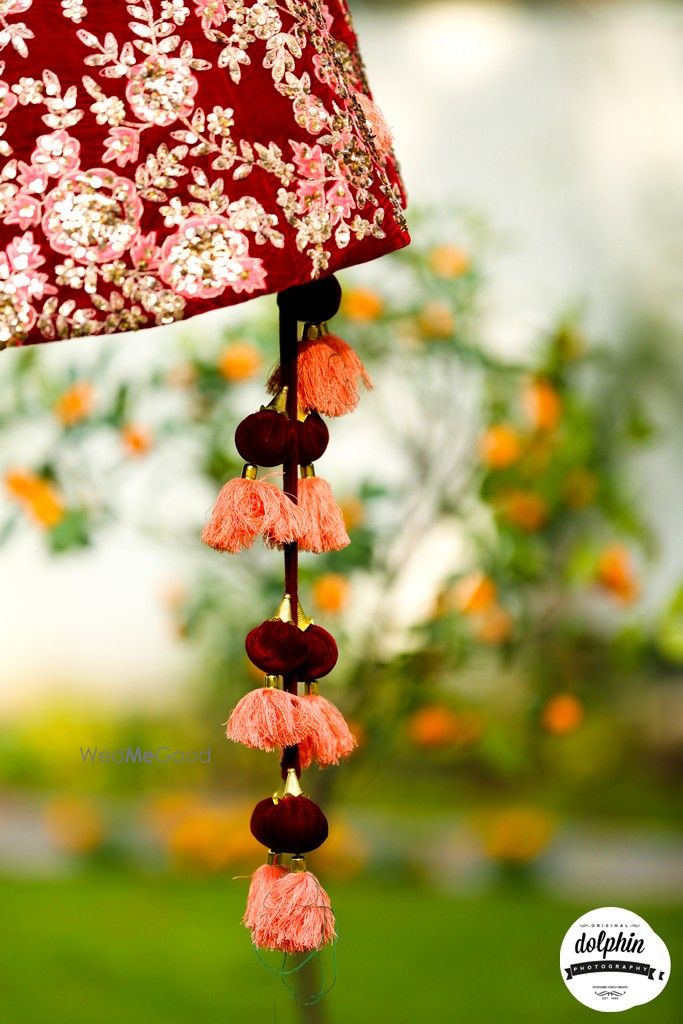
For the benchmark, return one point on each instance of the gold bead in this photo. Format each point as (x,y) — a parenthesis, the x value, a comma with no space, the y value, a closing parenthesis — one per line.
(298,865)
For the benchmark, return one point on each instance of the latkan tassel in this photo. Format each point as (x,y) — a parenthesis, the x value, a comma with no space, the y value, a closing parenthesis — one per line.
(330,373)
(262,881)
(246,507)
(296,915)
(268,718)
(330,738)
(321,516)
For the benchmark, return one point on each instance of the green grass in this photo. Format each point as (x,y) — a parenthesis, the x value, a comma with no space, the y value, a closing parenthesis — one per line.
(113,948)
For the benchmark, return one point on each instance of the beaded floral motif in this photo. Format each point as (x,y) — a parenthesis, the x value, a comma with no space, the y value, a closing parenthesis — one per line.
(329,179)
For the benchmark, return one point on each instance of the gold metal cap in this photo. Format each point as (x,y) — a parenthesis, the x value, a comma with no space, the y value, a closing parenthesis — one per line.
(302,619)
(284,611)
(307,471)
(271,682)
(313,331)
(279,403)
(249,472)
(298,865)
(290,787)
(312,689)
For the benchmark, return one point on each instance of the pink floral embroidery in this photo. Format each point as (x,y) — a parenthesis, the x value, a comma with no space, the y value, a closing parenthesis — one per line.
(206,256)
(33,179)
(123,146)
(381,132)
(145,252)
(25,211)
(14,34)
(92,215)
(212,12)
(56,154)
(7,100)
(161,90)
(20,286)
(211,187)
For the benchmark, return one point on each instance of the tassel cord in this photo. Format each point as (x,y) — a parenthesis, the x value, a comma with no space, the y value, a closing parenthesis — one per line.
(290,483)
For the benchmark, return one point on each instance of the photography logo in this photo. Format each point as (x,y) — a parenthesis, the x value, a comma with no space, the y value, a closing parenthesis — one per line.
(611,960)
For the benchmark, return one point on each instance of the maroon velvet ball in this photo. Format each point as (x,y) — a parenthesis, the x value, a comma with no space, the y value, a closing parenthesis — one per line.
(276,647)
(321,654)
(313,438)
(266,438)
(294,824)
(312,302)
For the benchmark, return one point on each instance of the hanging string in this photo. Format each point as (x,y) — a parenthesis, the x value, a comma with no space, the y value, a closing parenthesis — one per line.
(290,483)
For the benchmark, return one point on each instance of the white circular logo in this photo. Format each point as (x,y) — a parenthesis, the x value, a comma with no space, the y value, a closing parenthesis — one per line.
(611,960)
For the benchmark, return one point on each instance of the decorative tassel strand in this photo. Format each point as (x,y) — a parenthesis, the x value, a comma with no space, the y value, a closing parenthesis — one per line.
(262,881)
(321,516)
(330,373)
(330,738)
(246,507)
(296,914)
(269,718)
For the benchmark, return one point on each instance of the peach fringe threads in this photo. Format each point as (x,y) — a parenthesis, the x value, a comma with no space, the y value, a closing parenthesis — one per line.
(262,881)
(296,915)
(330,738)
(247,507)
(268,718)
(321,516)
(330,375)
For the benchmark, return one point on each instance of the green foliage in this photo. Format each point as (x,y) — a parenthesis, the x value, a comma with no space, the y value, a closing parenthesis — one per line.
(500,492)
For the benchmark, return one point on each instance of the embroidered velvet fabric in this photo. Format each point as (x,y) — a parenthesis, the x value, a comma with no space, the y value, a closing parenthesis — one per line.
(166,157)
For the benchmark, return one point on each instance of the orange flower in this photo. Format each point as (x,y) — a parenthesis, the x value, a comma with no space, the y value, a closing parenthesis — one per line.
(331,593)
(516,835)
(524,509)
(436,321)
(433,726)
(580,487)
(41,500)
(475,593)
(500,446)
(22,485)
(353,512)
(615,573)
(240,361)
(75,404)
(438,726)
(494,626)
(211,837)
(542,405)
(562,714)
(449,261)
(362,305)
(75,824)
(137,440)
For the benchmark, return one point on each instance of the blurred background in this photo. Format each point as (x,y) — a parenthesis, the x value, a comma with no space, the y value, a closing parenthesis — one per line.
(510,612)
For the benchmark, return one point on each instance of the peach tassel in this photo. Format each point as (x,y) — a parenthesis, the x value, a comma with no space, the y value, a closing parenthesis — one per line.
(262,881)
(330,738)
(296,915)
(246,507)
(268,718)
(322,519)
(330,374)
